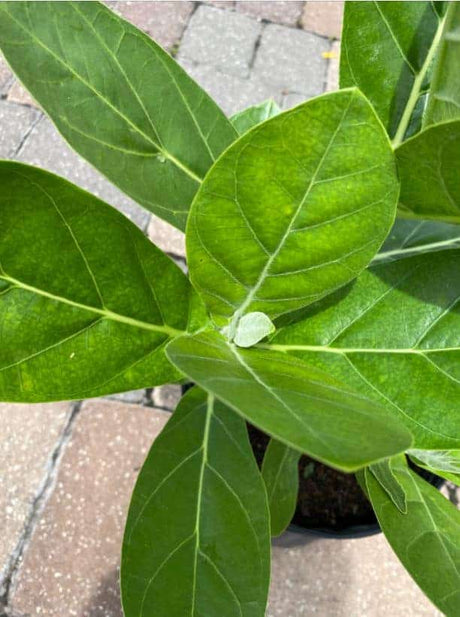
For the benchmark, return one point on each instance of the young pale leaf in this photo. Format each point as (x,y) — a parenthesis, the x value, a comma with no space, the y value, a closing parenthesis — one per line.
(428,167)
(120,101)
(444,463)
(426,539)
(294,209)
(245,120)
(301,406)
(393,336)
(387,52)
(385,476)
(444,97)
(410,237)
(252,328)
(197,539)
(281,476)
(87,303)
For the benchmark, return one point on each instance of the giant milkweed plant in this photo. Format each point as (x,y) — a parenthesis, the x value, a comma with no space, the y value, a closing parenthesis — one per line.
(321,306)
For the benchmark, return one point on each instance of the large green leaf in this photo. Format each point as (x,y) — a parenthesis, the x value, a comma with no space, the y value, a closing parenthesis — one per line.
(444,97)
(387,52)
(301,406)
(413,236)
(87,303)
(281,476)
(197,539)
(393,336)
(120,100)
(428,166)
(250,117)
(426,539)
(294,209)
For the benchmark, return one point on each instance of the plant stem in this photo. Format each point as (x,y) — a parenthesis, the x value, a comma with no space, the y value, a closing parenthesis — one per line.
(417,86)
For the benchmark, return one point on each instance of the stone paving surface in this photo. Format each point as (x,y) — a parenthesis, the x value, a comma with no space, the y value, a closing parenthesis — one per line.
(71,566)
(342,578)
(66,473)
(29,437)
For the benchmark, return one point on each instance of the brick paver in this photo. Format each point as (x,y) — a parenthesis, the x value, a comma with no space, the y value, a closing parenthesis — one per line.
(323,18)
(224,40)
(18,94)
(342,578)
(332,80)
(164,21)
(15,122)
(29,437)
(292,60)
(71,565)
(287,13)
(168,238)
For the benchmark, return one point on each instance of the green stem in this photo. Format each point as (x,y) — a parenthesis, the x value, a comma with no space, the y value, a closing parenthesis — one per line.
(417,86)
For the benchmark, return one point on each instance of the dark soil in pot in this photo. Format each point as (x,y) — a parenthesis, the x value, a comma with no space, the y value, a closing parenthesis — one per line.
(328,499)
(330,502)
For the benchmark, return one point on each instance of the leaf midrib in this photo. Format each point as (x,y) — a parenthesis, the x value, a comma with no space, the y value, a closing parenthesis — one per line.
(349,350)
(111,315)
(273,256)
(145,136)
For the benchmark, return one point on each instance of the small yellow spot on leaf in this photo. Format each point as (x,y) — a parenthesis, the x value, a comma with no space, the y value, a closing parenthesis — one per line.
(328,55)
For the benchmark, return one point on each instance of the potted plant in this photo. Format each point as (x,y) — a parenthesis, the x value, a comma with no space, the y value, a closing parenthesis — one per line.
(294,317)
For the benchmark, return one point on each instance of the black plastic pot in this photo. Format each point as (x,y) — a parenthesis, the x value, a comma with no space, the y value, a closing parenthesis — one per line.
(359,531)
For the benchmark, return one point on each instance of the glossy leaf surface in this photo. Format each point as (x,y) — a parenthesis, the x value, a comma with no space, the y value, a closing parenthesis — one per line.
(384,474)
(246,119)
(426,539)
(197,538)
(428,167)
(444,99)
(299,405)
(87,303)
(444,463)
(387,52)
(393,336)
(119,99)
(281,476)
(409,237)
(294,209)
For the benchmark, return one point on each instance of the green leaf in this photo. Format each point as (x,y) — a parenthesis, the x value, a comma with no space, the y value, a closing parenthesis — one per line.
(444,463)
(384,473)
(387,52)
(410,237)
(393,337)
(426,539)
(444,97)
(197,537)
(119,100)
(428,167)
(252,328)
(301,406)
(281,476)
(87,303)
(245,120)
(294,209)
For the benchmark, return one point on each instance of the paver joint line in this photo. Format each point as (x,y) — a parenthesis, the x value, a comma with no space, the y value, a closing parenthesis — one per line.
(37,506)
